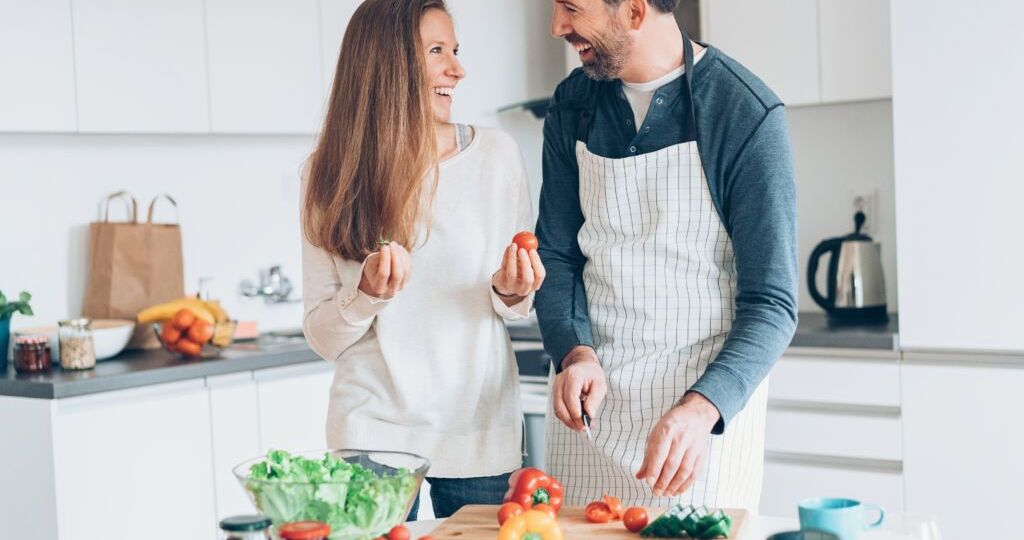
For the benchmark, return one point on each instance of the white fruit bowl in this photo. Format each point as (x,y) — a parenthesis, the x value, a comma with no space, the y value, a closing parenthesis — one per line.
(111,336)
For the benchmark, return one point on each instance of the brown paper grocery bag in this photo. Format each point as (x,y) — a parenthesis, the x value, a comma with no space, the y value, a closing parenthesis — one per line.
(133,266)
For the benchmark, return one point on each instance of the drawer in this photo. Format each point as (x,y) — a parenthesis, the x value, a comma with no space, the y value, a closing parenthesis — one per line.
(832,433)
(786,483)
(836,380)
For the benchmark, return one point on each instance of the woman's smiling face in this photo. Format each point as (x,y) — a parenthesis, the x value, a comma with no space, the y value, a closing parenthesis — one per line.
(444,71)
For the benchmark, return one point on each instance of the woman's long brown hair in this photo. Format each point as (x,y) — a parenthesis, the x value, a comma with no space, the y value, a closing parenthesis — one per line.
(369,170)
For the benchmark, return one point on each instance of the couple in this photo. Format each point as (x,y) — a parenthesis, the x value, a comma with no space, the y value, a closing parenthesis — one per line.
(664,284)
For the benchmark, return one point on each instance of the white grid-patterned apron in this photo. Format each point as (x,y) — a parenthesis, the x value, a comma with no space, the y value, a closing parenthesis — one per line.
(660,280)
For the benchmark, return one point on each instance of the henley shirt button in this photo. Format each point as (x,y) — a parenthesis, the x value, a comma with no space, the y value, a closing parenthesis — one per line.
(632,149)
(659,101)
(629,122)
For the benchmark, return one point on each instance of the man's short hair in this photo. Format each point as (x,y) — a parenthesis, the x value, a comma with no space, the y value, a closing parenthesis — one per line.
(664,6)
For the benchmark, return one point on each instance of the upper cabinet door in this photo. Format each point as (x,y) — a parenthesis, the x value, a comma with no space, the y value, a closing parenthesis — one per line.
(141,66)
(36,66)
(777,41)
(856,57)
(264,60)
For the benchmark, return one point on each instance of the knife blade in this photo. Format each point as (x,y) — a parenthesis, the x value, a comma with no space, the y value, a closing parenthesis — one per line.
(586,422)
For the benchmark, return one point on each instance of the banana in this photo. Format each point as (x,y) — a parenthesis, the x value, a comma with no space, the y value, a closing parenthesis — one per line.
(216,310)
(165,311)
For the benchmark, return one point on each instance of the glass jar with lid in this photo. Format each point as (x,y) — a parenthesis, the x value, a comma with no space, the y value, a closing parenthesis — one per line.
(32,354)
(76,346)
(250,527)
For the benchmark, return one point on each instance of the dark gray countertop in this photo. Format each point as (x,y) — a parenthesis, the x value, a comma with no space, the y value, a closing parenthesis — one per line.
(140,368)
(812,330)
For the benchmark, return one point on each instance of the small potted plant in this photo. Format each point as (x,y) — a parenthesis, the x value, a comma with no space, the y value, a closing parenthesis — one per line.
(6,310)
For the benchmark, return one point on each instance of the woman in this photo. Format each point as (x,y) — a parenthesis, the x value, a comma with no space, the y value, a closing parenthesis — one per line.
(407,266)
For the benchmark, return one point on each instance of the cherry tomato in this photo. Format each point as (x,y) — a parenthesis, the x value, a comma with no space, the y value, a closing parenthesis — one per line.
(547,508)
(525,240)
(509,510)
(635,518)
(183,318)
(398,532)
(200,331)
(598,512)
(615,505)
(189,348)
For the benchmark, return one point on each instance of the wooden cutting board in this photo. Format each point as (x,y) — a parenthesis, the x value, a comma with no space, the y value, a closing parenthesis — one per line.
(480,522)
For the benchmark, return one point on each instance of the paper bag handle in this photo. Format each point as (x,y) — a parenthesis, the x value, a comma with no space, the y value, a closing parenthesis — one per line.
(152,205)
(129,201)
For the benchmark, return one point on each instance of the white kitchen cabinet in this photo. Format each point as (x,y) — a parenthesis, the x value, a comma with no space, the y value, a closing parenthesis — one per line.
(777,41)
(856,56)
(264,65)
(787,481)
(958,170)
(141,66)
(833,429)
(293,406)
(36,66)
(963,442)
(234,420)
(135,460)
(334,17)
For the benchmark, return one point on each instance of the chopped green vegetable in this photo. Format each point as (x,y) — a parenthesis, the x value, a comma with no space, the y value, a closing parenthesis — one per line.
(689,522)
(356,502)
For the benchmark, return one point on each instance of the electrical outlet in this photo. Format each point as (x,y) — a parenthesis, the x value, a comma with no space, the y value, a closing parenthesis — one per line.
(866,200)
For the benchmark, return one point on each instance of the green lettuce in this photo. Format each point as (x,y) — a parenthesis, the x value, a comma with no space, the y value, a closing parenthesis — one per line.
(356,502)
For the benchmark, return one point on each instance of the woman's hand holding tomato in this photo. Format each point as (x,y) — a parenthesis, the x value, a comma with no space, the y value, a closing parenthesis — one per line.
(386,271)
(521,271)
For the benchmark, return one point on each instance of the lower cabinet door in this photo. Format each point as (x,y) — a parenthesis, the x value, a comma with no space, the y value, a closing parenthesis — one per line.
(135,463)
(789,480)
(293,406)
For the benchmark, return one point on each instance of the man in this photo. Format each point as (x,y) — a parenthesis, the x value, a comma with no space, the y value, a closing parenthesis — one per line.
(668,227)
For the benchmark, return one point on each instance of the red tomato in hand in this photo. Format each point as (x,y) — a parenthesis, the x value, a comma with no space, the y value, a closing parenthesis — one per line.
(598,512)
(398,532)
(509,510)
(525,240)
(635,518)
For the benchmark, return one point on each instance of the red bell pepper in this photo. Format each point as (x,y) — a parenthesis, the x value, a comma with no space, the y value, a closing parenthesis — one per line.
(532,486)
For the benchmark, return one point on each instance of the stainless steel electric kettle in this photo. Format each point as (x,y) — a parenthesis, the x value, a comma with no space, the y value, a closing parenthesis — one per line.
(856,286)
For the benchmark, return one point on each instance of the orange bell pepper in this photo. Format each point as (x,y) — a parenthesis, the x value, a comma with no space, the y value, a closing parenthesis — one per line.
(532,486)
(531,525)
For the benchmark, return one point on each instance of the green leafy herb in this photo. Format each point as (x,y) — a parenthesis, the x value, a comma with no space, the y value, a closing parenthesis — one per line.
(21,306)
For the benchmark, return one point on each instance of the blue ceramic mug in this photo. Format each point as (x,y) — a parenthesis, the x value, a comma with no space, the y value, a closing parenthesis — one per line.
(842,517)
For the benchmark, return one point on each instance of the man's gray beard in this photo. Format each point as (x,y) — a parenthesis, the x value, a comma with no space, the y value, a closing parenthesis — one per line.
(610,54)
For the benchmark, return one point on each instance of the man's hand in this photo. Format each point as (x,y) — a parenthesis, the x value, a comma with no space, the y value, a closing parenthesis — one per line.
(677,447)
(386,271)
(582,377)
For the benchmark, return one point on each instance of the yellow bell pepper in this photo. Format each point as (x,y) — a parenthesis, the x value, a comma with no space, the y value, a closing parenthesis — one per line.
(531,525)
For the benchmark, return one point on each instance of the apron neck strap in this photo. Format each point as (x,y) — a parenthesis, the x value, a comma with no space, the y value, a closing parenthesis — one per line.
(688,74)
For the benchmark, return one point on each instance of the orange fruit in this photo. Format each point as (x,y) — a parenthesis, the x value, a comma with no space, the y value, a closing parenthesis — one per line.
(200,331)
(183,318)
(189,348)
(169,334)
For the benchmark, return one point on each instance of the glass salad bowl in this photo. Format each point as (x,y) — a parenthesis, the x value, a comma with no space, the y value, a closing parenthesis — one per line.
(361,494)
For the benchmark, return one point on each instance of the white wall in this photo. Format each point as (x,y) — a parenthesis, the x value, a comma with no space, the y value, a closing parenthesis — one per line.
(238,195)
(841,151)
